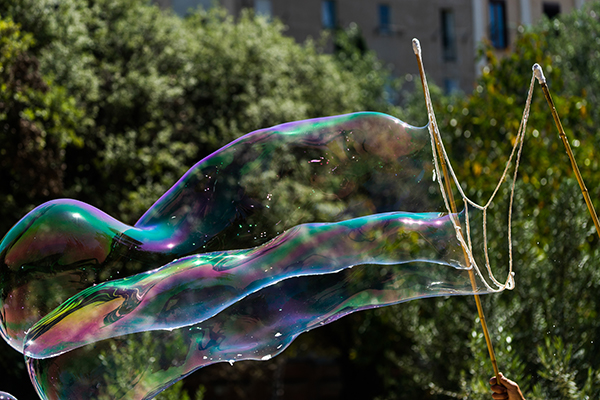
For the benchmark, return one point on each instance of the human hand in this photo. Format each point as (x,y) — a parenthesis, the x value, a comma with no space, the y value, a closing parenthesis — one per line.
(505,389)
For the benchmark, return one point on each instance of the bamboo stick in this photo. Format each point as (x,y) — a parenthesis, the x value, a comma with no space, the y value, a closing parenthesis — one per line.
(447,182)
(539,74)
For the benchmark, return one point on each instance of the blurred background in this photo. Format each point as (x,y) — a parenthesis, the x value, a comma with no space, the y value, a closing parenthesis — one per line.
(111,101)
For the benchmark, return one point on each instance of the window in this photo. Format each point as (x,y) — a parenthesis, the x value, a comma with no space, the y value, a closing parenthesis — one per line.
(551,10)
(263,7)
(498,24)
(385,27)
(448,36)
(328,15)
(185,7)
(451,86)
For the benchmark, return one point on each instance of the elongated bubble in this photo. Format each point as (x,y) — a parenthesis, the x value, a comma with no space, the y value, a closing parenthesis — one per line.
(279,232)
(322,170)
(196,288)
(259,327)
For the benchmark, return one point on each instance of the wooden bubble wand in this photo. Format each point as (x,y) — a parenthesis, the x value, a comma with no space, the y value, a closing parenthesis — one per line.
(433,131)
(539,74)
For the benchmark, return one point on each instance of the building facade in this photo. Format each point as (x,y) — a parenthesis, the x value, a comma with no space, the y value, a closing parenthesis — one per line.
(450,31)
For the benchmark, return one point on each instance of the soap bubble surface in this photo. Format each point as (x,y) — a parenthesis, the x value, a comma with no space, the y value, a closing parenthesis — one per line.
(279,232)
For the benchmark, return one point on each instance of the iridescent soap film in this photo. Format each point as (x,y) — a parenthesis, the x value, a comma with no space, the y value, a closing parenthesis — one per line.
(279,232)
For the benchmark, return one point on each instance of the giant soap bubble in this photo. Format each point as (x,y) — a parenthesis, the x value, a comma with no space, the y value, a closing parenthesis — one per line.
(279,232)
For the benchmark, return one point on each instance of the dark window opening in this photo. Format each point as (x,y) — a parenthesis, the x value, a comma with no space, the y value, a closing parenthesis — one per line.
(498,34)
(328,14)
(385,25)
(551,10)
(448,36)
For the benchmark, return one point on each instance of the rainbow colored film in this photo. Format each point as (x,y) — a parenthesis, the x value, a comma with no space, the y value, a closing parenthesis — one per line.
(281,231)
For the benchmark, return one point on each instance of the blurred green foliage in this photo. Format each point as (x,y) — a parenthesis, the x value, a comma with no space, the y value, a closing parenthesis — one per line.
(160,93)
(111,101)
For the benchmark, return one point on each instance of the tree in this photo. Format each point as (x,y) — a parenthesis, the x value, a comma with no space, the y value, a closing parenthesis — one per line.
(129,97)
(160,93)
(544,329)
(37,122)
(140,95)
